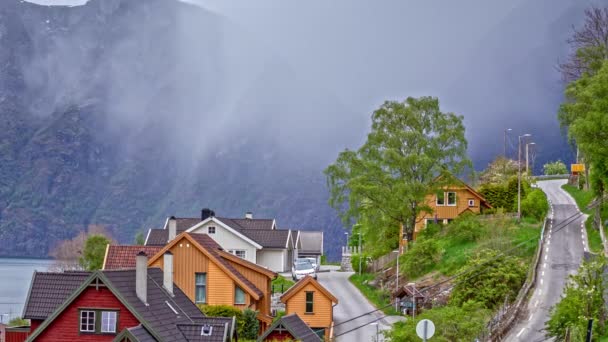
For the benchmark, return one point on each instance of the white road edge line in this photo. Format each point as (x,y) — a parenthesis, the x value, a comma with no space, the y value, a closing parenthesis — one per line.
(521,332)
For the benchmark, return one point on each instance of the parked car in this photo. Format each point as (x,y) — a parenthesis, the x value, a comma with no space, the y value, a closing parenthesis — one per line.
(302,269)
(314,263)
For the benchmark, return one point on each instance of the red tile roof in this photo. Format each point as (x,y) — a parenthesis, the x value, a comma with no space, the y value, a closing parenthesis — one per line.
(123,256)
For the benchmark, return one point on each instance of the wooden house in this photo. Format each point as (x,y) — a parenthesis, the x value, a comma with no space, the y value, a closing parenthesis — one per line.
(313,303)
(289,328)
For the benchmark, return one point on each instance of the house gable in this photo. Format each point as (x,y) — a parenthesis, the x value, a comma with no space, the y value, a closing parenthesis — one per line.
(224,234)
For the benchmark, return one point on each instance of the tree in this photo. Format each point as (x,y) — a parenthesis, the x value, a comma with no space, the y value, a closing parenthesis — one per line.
(555,168)
(499,171)
(140,239)
(535,204)
(93,253)
(582,300)
(251,325)
(499,277)
(385,180)
(589,46)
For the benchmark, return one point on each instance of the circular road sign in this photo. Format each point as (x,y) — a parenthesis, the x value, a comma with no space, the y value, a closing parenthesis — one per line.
(425,329)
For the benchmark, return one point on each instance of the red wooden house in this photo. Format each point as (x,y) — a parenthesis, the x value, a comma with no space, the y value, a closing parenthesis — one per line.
(139,304)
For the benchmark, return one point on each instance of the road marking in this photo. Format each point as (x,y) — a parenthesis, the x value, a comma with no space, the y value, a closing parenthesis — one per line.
(521,332)
(545,257)
(540,291)
(545,265)
(536,303)
(583,236)
(547,249)
(543,274)
(529,319)
(541,281)
(549,241)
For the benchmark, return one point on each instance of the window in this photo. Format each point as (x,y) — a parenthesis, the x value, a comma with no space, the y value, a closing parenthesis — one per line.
(239,295)
(206,330)
(87,321)
(108,321)
(201,287)
(239,253)
(309,301)
(471,202)
(440,198)
(211,230)
(451,198)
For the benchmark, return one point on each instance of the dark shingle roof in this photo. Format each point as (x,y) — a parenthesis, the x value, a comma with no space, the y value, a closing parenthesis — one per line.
(192,332)
(123,256)
(244,223)
(297,328)
(210,245)
(141,334)
(268,238)
(49,290)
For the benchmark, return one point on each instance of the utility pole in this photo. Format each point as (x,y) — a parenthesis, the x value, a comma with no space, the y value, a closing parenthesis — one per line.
(589,330)
(519,175)
(397,280)
(504,150)
(527,158)
(360,252)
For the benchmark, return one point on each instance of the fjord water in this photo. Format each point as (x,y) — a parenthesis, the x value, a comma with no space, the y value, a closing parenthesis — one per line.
(15,277)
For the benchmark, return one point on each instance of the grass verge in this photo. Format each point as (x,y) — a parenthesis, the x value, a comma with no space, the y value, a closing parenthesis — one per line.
(583,198)
(281,284)
(379,298)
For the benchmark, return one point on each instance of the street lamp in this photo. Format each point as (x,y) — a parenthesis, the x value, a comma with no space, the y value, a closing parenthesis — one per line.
(360,252)
(504,150)
(527,158)
(377,331)
(519,174)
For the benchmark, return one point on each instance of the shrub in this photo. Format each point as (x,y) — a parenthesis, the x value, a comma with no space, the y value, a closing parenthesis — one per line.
(555,168)
(466,228)
(421,257)
(225,311)
(535,204)
(497,278)
(19,322)
(354,261)
(251,325)
(430,231)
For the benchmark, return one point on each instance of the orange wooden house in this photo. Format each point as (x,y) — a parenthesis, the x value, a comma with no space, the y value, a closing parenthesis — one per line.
(450,201)
(313,303)
(207,274)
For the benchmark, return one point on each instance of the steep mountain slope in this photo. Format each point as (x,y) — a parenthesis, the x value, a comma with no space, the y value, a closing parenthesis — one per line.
(116,113)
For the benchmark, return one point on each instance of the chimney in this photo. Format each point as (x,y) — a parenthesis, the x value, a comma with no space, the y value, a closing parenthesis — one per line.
(172,228)
(168,272)
(141,277)
(249,215)
(206,213)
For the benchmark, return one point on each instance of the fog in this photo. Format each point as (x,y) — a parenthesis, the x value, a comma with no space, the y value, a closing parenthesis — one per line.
(307,76)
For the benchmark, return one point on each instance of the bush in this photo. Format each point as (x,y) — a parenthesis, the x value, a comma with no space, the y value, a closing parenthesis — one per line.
(497,278)
(535,204)
(243,318)
(504,195)
(452,323)
(251,325)
(354,261)
(430,231)
(466,228)
(18,322)
(421,257)
(555,168)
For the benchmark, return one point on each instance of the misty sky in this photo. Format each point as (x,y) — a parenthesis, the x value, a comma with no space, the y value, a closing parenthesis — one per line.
(491,61)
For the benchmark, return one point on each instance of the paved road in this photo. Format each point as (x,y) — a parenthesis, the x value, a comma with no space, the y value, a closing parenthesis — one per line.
(352,304)
(561,256)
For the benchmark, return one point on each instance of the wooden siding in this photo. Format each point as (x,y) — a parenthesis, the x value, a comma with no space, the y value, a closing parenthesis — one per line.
(220,288)
(449,212)
(261,281)
(187,261)
(322,315)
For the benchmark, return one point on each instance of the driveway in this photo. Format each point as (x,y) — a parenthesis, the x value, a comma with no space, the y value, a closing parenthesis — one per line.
(561,256)
(352,304)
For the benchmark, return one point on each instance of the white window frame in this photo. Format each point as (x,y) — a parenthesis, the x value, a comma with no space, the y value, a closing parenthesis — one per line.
(239,251)
(109,322)
(209,230)
(86,315)
(447,199)
(471,202)
(437,199)
(196,287)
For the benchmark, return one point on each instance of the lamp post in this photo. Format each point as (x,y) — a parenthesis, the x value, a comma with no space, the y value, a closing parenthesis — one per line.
(360,252)
(504,150)
(519,175)
(527,157)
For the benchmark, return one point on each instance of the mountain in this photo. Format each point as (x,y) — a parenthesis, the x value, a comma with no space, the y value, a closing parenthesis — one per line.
(121,113)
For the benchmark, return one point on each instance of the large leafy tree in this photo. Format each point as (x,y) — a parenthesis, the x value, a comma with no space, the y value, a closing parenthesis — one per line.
(383,183)
(93,253)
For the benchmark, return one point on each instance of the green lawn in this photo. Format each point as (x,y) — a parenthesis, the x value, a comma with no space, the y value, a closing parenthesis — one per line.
(281,284)
(378,298)
(582,197)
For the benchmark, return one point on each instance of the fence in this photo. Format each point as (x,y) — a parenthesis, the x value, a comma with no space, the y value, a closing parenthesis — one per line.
(500,324)
(382,262)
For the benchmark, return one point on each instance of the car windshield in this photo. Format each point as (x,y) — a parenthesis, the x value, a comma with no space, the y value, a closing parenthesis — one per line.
(303,266)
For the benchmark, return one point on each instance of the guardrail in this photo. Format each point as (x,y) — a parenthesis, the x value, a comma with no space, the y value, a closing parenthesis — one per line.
(500,324)
(546,177)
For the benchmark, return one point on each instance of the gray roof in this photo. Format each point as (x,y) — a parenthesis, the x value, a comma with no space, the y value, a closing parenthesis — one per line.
(141,334)
(192,332)
(245,223)
(295,326)
(268,238)
(49,290)
(311,242)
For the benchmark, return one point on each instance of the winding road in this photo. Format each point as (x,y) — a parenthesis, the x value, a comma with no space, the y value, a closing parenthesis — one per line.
(561,256)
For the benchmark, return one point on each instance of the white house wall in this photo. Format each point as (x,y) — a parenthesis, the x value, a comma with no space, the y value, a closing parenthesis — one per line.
(228,240)
(274,259)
